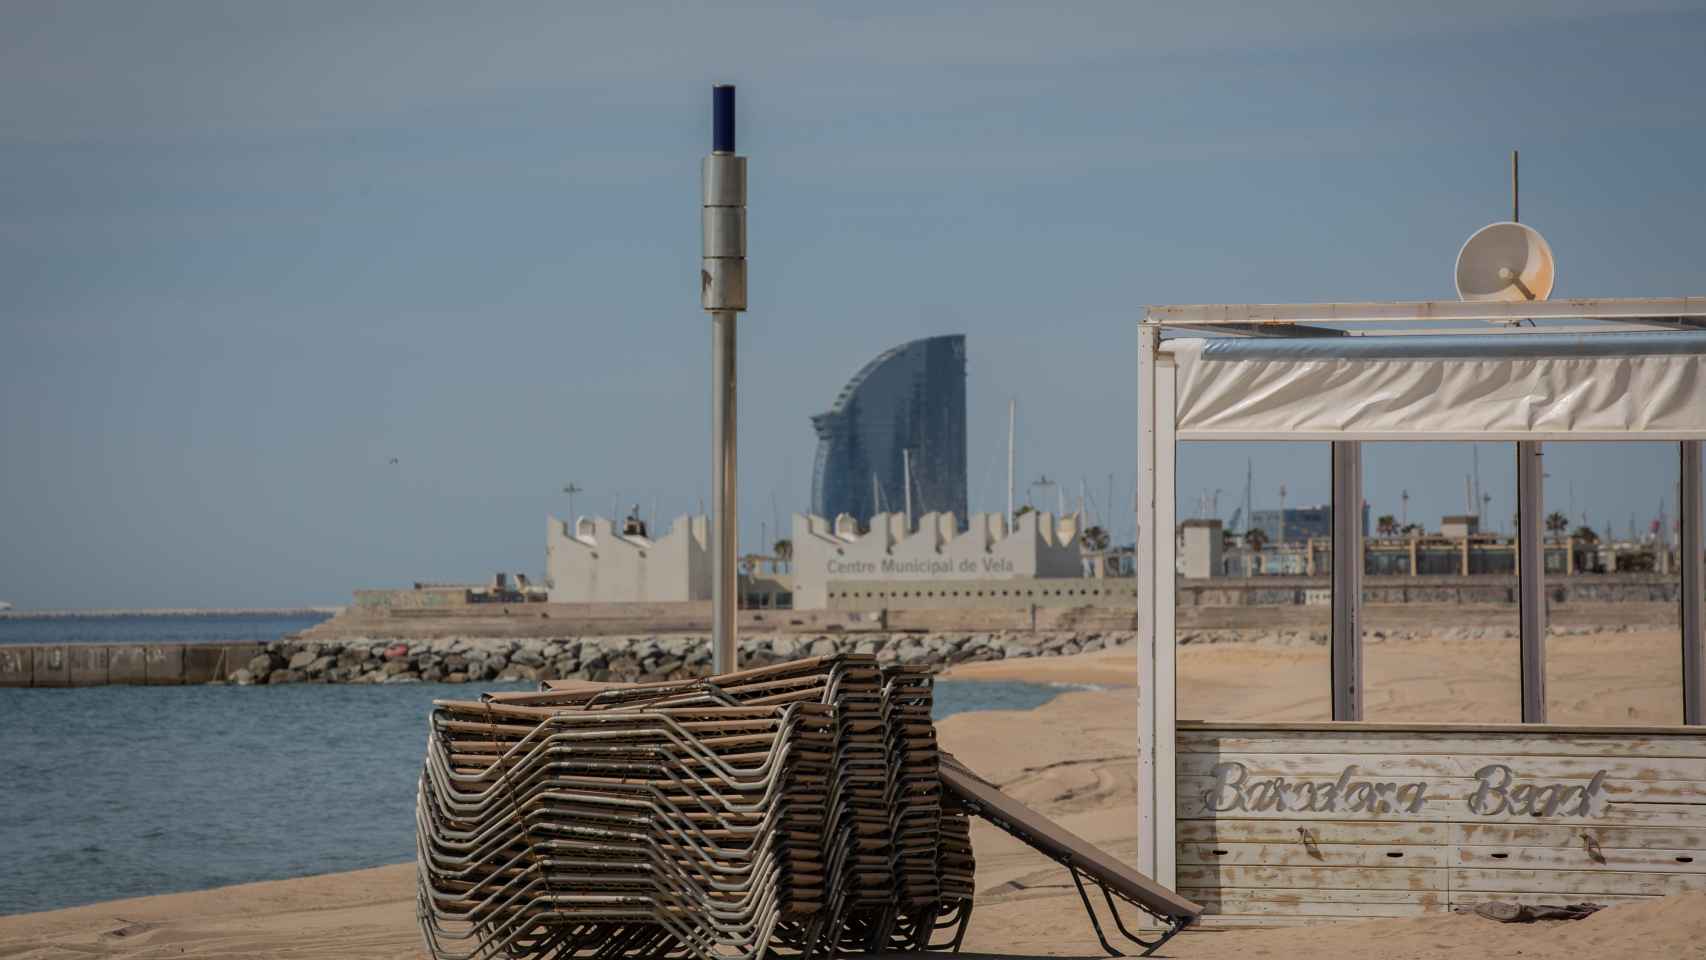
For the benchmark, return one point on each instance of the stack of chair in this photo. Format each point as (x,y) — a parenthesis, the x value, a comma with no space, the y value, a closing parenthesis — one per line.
(793,806)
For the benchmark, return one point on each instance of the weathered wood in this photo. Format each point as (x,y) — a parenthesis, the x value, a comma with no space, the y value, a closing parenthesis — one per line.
(1570,835)
(1300,854)
(1326,878)
(1200,764)
(1226,907)
(1228,830)
(1579,883)
(1315,895)
(1625,744)
(1459,788)
(1314,819)
(1583,857)
(1681,815)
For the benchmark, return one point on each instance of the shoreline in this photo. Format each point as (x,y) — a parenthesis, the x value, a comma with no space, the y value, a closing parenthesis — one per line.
(171,612)
(1072,758)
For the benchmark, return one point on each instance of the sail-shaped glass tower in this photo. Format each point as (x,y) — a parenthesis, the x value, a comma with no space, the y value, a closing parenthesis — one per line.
(910,398)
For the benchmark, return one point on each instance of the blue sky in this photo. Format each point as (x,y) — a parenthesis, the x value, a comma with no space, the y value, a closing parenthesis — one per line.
(252,252)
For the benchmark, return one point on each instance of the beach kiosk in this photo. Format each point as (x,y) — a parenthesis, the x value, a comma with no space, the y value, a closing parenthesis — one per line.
(1283,822)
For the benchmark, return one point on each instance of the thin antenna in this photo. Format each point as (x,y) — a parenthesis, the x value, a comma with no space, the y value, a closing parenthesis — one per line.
(1516,209)
(1012,413)
(1108,509)
(1475,460)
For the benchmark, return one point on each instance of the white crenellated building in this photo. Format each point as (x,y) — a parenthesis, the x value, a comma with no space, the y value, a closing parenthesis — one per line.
(1037,545)
(596,564)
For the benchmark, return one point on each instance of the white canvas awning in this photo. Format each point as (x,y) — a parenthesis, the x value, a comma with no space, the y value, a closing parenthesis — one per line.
(1601,386)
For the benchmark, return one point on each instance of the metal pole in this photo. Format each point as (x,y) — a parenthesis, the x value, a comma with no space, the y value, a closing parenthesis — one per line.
(725,537)
(722,291)
(1346,652)
(1531,578)
(1693,586)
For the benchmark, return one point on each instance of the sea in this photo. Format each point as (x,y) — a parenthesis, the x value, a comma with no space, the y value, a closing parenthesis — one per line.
(112,792)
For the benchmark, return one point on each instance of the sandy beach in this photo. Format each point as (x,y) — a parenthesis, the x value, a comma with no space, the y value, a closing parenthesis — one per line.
(1072,758)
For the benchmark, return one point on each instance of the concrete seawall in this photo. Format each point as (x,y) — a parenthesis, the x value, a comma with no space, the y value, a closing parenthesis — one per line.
(102,664)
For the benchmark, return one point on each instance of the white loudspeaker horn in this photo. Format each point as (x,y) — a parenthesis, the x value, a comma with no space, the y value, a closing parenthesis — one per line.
(1505,261)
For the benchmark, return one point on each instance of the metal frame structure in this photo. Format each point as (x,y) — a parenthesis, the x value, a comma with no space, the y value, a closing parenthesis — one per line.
(1157,456)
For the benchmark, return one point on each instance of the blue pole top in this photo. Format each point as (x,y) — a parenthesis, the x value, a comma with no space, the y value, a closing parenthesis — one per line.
(723,118)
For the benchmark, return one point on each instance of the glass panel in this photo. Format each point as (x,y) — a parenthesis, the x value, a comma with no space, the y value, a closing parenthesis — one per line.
(1439,583)
(1254,548)
(1613,583)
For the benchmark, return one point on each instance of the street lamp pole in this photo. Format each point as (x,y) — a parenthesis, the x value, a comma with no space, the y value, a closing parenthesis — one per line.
(722,292)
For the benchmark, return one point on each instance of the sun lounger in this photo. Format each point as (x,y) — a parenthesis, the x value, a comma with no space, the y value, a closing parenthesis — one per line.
(1080,857)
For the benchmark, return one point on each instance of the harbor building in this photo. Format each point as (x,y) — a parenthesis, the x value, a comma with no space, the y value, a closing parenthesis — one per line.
(596,563)
(835,564)
(905,409)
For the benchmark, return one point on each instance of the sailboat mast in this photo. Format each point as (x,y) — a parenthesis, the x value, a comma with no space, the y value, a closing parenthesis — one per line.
(906,475)
(1012,410)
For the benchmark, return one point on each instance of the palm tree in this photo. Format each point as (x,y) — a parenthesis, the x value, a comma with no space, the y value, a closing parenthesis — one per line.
(783,549)
(1411,530)
(1387,525)
(1586,535)
(1557,522)
(1256,538)
(1094,539)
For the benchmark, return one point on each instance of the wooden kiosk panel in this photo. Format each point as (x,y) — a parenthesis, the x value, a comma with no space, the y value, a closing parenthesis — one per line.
(1305,822)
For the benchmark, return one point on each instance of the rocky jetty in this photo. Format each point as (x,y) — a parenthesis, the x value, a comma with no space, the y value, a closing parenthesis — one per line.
(625,658)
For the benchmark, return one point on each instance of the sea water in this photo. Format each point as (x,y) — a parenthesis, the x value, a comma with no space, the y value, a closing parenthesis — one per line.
(110,792)
(154,628)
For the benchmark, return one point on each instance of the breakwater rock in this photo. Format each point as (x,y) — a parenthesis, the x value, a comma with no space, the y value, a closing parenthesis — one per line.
(624,658)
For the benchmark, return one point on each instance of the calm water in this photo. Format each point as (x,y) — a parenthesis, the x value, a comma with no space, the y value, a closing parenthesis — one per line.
(115,792)
(227,628)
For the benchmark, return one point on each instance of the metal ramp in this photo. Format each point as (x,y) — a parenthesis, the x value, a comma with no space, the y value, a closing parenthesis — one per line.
(1080,857)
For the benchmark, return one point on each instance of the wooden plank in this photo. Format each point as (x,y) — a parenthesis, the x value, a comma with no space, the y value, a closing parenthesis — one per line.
(1460,788)
(1406,729)
(1228,830)
(1298,854)
(1413,766)
(1566,835)
(1448,811)
(1214,921)
(1577,883)
(1471,898)
(1691,860)
(1233,906)
(1423,743)
(1297,894)
(1325,878)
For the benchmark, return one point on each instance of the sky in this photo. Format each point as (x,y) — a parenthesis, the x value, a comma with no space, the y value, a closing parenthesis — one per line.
(252,253)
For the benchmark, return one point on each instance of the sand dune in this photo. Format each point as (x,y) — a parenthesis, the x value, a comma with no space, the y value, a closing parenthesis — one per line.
(1074,759)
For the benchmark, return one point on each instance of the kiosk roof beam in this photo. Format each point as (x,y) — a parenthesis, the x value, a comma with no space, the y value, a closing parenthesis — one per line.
(1683,311)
